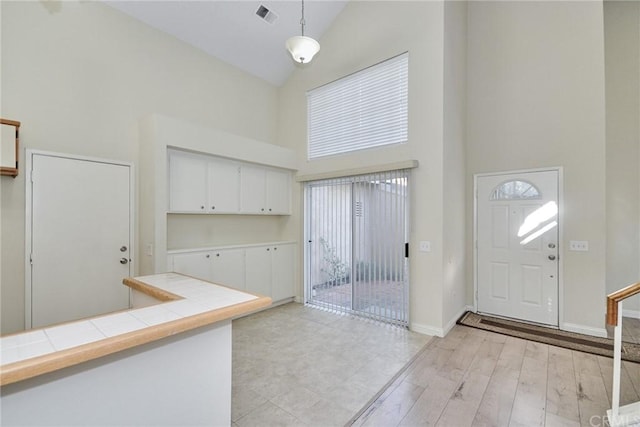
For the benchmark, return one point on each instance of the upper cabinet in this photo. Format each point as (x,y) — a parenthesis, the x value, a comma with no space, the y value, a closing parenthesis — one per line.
(265,191)
(200,183)
(223,186)
(187,182)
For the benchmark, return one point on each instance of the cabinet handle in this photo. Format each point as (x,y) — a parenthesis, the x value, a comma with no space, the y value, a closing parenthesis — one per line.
(208,256)
(213,207)
(201,207)
(269,209)
(275,249)
(217,254)
(262,210)
(268,249)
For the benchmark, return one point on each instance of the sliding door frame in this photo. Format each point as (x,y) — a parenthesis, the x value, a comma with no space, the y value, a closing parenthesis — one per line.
(388,266)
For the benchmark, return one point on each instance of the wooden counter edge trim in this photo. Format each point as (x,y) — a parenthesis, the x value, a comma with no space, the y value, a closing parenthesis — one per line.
(615,297)
(33,367)
(152,291)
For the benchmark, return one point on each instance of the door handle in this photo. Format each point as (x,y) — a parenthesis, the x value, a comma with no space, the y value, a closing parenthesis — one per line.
(124,261)
(552,257)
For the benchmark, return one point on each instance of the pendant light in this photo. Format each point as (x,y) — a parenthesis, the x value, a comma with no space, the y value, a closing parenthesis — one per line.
(302,48)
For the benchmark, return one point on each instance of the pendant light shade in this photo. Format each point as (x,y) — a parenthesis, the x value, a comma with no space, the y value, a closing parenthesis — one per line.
(302,48)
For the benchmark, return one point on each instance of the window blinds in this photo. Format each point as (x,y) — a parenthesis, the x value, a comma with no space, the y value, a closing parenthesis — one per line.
(363,110)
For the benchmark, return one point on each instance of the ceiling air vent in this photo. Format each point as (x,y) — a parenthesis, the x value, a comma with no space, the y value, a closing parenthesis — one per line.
(267,15)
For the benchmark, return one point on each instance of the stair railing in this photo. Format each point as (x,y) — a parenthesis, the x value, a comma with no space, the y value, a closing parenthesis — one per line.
(629,413)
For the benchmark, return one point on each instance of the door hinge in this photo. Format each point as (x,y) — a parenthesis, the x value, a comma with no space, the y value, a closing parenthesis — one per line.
(31,259)
(406,250)
(32,175)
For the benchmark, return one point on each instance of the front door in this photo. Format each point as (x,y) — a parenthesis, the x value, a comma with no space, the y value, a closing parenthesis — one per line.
(517,245)
(80,245)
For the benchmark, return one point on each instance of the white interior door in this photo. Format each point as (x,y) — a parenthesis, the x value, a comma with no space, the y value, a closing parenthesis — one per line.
(517,246)
(80,246)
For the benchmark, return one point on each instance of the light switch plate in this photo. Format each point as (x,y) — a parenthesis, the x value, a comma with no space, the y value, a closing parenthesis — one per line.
(579,245)
(425,246)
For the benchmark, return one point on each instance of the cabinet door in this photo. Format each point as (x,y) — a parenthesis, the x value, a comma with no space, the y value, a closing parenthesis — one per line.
(195,264)
(224,187)
(252,188)
(258,270)
(228,268)
(187,182)
(282,272)
(278,189)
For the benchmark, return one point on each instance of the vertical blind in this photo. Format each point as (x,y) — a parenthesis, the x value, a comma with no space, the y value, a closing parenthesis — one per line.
(363,110)
(356,229)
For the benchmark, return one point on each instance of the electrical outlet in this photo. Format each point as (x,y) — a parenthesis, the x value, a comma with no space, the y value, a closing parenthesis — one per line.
(579,245)
(425,246)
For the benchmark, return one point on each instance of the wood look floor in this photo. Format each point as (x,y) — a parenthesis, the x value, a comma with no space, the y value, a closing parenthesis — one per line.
(297,366)
(479,378)
(631,330)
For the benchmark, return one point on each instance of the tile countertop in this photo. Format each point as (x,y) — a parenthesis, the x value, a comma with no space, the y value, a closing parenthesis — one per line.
(185,303)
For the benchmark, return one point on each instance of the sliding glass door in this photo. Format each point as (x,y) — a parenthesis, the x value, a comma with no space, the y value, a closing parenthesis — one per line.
(356,233)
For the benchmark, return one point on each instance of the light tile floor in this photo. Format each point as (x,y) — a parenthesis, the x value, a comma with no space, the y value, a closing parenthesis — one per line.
(295,365)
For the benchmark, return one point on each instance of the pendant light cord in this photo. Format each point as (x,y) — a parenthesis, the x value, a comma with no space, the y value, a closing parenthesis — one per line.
(302,19)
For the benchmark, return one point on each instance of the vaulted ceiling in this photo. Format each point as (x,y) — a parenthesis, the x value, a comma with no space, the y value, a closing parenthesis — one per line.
(233,32)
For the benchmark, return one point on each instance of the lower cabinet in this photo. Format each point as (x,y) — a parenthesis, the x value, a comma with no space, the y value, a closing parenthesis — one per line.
(227,268)
(283,272)
(195,264)
(258,270)
(262,269)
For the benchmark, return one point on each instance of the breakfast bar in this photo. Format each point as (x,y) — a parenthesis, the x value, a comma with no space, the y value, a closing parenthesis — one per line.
(165,361)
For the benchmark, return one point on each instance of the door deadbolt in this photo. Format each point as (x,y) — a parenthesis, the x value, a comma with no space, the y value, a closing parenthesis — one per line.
(123,261)
(552,257)
(123,249)
(552,245)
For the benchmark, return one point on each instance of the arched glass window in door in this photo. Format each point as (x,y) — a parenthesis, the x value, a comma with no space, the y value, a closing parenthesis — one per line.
(515,190)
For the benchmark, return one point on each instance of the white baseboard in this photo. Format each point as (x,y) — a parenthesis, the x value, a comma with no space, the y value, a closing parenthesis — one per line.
(426,330)
(440,332)
(452,322)
(586,330)
(634,314)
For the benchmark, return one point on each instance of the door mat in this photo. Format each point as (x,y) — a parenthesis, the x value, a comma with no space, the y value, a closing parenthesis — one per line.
(570,340)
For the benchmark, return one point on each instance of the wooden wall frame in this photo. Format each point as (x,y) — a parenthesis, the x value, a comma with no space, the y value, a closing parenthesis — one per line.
(5,169)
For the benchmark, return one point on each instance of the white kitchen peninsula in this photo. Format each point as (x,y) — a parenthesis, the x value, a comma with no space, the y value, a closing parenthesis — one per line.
(167,361)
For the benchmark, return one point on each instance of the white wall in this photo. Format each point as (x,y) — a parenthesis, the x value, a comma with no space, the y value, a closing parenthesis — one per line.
(455,206)
(80,76)
(535,75)
(622,54)
(364,34)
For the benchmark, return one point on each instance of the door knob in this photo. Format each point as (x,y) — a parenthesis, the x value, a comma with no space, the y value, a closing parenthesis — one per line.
(552,257)
(123,261)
